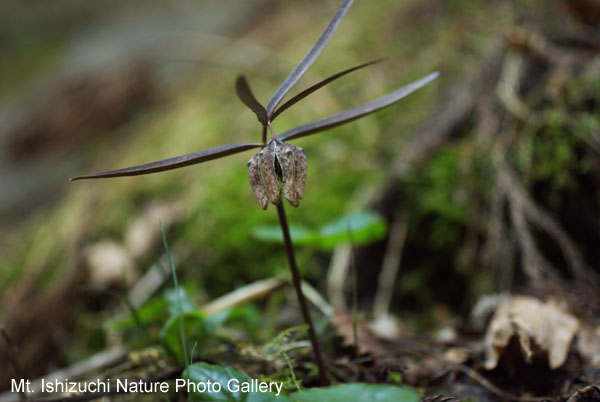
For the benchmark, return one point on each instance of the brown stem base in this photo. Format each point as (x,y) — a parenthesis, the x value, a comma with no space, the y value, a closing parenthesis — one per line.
(296,279)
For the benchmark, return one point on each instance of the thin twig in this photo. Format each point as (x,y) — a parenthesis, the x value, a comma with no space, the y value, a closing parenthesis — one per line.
(336,276)
(354,279)
(297,280)
(245,294)
(390,266)
(475,376)
(317,300)
(487,384)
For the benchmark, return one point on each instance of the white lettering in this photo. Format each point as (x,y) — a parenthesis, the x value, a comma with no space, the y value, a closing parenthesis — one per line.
(179,383)
(233,385)
(279,387)
(20,387)
(121,386)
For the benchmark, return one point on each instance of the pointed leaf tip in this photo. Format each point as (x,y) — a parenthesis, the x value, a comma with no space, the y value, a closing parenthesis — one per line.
(247,97)
(356,112)
(193,158)
(309,58)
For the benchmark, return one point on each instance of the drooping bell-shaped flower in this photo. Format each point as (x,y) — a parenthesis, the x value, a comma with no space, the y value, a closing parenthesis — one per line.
(279,168)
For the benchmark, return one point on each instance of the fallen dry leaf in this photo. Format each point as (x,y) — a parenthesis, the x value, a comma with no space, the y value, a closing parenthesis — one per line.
(108,263)
(544,325)
(368,342)
(588,344)
(456,355)
(388,327)
(143,234)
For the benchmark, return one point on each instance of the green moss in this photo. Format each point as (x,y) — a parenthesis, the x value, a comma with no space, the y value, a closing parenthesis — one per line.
(220,209)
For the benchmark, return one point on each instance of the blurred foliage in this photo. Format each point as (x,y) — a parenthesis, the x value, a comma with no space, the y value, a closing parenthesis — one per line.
(358,228)
(344,165)
(204,373)
(159,318)
(220,209)
(553,155)
(441,197)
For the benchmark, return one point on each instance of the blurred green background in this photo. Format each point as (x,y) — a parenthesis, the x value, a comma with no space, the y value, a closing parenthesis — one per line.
(94,86)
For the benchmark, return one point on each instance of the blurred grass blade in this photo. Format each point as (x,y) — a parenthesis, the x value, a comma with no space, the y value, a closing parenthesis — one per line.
(309,58)
(247,97)
(357,112)
(175,162)
(318,86)
(174,274)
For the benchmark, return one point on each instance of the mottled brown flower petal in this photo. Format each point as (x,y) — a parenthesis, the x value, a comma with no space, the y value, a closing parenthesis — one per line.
(301,170)
(287,161)
(269,174)
(255,182)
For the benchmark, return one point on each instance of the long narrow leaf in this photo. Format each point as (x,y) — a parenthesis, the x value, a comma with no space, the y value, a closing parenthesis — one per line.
(355,113)
(247,97)
(309,58)
(318,86)
(175,162)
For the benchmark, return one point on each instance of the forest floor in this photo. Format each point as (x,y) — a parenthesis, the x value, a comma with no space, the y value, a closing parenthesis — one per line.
(471,268)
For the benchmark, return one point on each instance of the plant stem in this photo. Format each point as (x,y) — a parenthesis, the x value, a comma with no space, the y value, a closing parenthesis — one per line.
(174,273)
(296,279)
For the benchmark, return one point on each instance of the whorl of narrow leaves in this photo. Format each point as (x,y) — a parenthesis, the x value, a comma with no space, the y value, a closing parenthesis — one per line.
(281,168)
(270,170)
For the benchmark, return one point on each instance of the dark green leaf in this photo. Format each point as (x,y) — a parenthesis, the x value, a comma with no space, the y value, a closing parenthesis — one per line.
(355,113)
(216,320)
(272,234)
(172,301)
(365,226)
(309,58)
(362,227)
(249,315)
(247,97)
(175,162)
(202,373)
(356,393)
(318,86)
(151,312)
(195,334)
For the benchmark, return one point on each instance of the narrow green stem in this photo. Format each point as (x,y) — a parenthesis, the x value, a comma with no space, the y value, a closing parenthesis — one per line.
(174,273)
(297,280)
